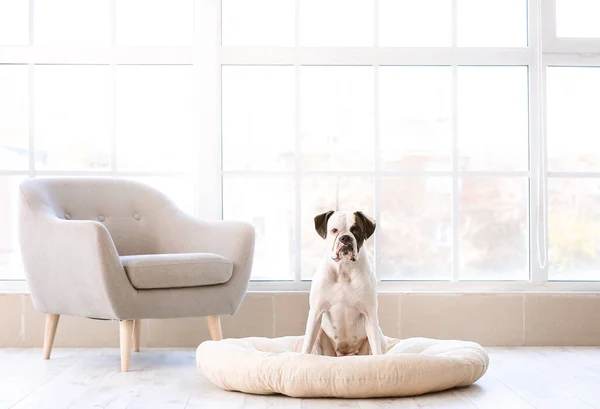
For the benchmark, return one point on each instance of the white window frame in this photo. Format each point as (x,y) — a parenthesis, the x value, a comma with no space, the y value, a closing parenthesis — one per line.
(562,52)
(583,47)
(208,56)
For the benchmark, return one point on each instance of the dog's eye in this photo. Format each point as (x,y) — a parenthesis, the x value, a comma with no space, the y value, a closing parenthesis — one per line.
(334,231)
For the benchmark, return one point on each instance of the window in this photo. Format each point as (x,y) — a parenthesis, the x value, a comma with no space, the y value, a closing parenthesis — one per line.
(57,21)
(431,140)
(466,128)
(577,19)
(72,117)
(154,22)
(74,101)
(573,98)
(573,151)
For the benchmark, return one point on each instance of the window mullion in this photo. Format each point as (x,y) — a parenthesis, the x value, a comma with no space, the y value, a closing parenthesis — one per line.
(541,245)
(454,26)
(455,179)
(207,100)
(31,111)
(545,12)
(537,196)
(113,99)
(298,153)
(455,164)
(377,150)
(547,19)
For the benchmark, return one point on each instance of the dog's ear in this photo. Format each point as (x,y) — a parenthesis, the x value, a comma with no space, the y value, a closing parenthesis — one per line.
(321,223)
(369,225)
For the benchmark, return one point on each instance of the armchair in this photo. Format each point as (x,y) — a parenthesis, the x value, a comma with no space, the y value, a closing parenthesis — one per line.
(116,249)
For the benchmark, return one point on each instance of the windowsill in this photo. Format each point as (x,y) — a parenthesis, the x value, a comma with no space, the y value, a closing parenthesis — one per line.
(400,287)
(14,287)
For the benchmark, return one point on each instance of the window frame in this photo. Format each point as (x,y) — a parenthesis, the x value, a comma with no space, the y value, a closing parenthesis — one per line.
(427,56)
(208,56)
(562,52)
(584,47)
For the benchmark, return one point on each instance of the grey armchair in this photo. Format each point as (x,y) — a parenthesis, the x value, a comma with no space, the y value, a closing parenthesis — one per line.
(115,249)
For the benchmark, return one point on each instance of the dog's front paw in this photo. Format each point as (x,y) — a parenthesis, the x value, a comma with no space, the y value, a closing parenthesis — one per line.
(306,348)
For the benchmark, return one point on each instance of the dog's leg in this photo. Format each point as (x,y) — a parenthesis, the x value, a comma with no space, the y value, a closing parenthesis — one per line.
(373,333)
(313,325)
(384,346)
(364,349)
(324,345)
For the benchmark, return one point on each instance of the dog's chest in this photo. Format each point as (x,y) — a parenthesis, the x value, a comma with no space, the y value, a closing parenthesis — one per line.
(346,287)
(344,322)
(345,290)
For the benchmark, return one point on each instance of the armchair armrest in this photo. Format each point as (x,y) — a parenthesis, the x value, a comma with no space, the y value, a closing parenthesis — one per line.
(233,240)
(72,266)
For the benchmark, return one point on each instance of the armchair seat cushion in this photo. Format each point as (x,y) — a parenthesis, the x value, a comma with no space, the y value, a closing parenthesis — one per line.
(154,271)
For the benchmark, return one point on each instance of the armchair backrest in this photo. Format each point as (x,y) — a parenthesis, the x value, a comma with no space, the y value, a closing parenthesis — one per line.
(128,209)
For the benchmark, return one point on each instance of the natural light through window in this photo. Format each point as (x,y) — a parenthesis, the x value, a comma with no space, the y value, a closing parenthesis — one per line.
(465,127)
(577,18)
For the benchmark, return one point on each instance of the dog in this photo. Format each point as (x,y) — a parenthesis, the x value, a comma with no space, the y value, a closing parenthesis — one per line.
(342,320)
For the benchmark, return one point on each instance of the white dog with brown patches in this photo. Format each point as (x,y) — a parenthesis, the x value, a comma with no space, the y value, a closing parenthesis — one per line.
(343,297)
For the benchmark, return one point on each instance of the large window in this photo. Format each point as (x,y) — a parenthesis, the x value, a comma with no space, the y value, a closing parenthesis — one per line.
(415,112)
(466,128)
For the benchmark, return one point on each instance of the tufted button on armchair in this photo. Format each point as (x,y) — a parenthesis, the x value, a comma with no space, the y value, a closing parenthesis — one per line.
(116,249)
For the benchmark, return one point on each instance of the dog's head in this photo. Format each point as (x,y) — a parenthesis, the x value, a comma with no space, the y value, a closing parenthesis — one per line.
(345,233)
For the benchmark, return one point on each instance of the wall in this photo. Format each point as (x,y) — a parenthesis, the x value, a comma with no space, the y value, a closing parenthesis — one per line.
(507,319)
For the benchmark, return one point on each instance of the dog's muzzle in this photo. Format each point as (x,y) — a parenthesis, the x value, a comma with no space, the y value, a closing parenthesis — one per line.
(345,248)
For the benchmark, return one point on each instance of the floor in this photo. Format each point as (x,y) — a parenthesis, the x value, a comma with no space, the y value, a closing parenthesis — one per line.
(566,378)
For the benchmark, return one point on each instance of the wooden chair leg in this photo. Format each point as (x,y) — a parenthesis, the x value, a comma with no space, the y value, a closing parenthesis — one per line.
(137,329)
(214,326)
(126,335)
(51,324)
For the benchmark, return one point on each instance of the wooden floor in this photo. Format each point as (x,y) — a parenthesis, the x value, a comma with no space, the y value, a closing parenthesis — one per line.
(565,378)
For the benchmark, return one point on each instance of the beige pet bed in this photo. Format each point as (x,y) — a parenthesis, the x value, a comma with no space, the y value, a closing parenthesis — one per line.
(409,367)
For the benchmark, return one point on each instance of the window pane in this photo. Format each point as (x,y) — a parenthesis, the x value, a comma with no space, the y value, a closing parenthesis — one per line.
(180,189)
(273,219)
(573,129)
(492,23)
(154,118)
(321,194)
(416,228)
(573,229)
(10,256)
(337,117)
(258,117)
(155,22)
(415,113)
(338,23)
(72,22)
(410,23)
(493,117)
(258,23)
(494,228)
(14,22)
(72,116)
(577,18)
(14,117)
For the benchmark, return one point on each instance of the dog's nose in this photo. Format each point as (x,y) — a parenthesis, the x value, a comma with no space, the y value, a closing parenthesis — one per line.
(346,239)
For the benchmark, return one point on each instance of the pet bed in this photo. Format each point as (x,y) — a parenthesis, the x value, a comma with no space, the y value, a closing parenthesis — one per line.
(410,366)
